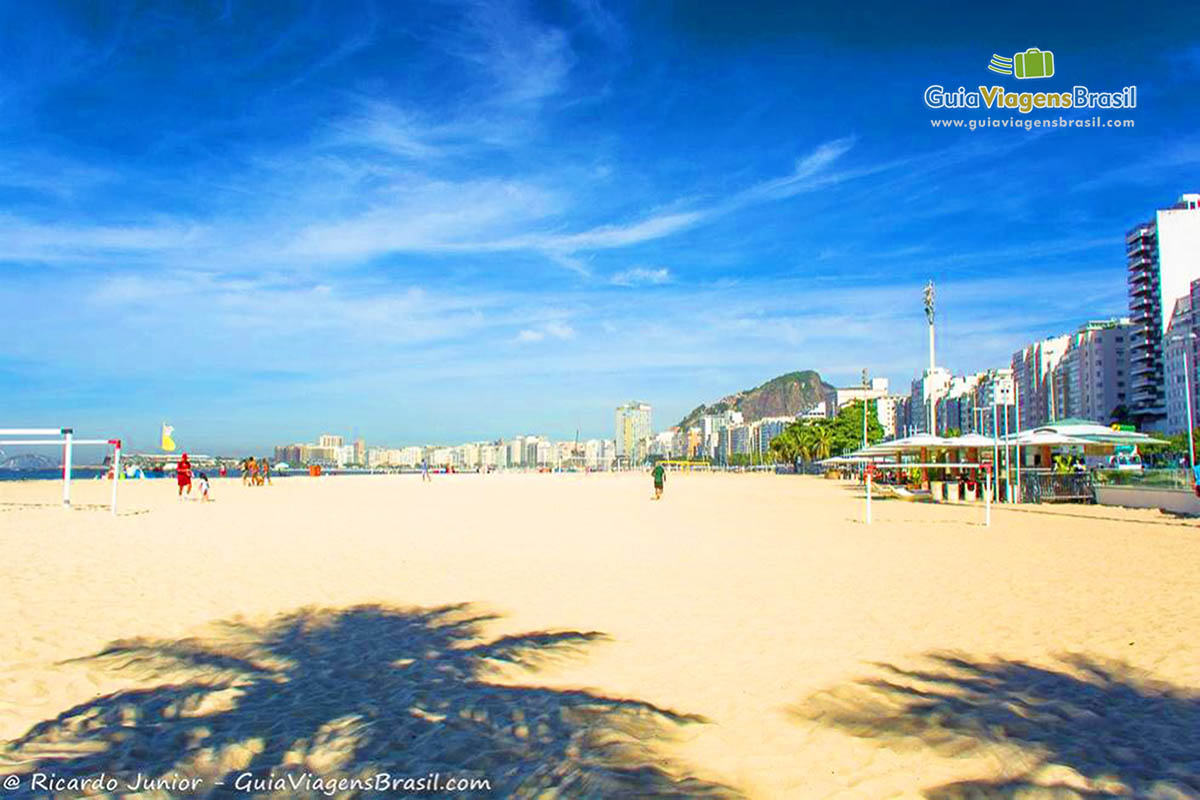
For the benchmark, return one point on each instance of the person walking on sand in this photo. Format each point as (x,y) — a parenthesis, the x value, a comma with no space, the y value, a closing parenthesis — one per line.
(425,471)
(660,477)
(265,470)
(204,486)
(183,475)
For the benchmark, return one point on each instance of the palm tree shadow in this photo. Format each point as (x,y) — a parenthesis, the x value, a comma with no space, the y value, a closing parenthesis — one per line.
(1093,729)
(352,693)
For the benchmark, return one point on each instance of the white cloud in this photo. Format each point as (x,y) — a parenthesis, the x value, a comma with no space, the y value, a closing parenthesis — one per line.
(555,329)
(559,330)
(639,276)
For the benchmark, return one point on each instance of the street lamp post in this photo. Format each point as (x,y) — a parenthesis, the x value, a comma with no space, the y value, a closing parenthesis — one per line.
(865,384)
(929,314)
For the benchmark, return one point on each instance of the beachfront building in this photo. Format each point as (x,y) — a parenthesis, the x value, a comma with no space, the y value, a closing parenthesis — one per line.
(466,456)
(879,387)
(593,454)
(633,432)
(926,391)
(1033,373)
(956,408)
(1163,259)
(734,440)
(289,454)
(994,388)
(360,452)
(330,440)
(662,444)
(1179,354)
(902,417)
(766,429)
(886,409)
(599,453)
(1092,379)
(822,410)
(493,455)
(878,393)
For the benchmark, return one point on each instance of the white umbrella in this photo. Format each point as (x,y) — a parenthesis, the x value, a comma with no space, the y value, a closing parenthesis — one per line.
(1096,433)
(969,440)
(909,444)
(1044,437)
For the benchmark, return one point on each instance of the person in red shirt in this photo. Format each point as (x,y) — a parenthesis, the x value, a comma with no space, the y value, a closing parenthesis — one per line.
(183,474)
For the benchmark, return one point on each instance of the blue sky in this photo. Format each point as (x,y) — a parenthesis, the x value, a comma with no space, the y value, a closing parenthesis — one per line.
(454,221)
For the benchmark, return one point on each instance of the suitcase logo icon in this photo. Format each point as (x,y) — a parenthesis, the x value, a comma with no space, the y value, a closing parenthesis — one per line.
(1033,63)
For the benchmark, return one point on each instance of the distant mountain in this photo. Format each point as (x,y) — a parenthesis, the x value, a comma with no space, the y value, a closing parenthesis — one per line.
(784,396)
(27,461)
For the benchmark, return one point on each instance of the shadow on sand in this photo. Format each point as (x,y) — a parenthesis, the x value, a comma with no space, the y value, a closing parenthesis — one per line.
(353,693)
(1090,730)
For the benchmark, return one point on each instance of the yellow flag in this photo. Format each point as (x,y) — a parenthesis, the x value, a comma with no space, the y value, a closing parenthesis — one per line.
(168,443)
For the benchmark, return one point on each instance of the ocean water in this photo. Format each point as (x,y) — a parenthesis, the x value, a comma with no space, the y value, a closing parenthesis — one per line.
(54,474)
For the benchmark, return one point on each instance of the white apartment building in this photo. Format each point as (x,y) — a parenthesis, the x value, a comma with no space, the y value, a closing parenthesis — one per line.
(599,453)
(927,390)
(1163,259)
(633,429)
(887,408)
(1033,369)
(1180,349)
(1092,379)
(879,387)
(993,403)
(516,451)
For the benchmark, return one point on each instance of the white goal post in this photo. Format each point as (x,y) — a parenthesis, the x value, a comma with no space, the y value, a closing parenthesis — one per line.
(68,443)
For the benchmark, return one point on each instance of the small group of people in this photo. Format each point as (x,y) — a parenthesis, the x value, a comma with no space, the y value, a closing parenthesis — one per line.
(183,477)
(256,473)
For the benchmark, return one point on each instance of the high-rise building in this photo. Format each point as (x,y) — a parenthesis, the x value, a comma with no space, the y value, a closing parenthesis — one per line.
(289,454)
(1092,379)
(767,429)
(516,451)
(1033,374)
(360,452)
(993,406)
(927,389)
(633,429)
(329,440)
(956,407)
(1163,259)
(1180,354)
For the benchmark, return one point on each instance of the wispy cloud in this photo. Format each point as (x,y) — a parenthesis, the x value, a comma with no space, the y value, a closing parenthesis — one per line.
(639,276)
(554,329)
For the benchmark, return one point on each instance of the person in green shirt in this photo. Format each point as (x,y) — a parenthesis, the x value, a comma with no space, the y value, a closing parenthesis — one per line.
(660,476)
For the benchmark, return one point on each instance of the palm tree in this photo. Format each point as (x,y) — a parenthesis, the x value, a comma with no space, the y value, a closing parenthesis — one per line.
(822,442)
(804,444)
(783,446)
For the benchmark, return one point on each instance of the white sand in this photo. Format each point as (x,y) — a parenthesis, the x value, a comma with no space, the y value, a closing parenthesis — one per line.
(759,602)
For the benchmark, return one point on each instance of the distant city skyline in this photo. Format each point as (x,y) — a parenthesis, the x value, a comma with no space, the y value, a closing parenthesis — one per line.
(414,224)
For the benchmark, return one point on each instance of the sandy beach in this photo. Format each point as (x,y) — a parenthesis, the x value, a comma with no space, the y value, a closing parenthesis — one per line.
(747,635)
